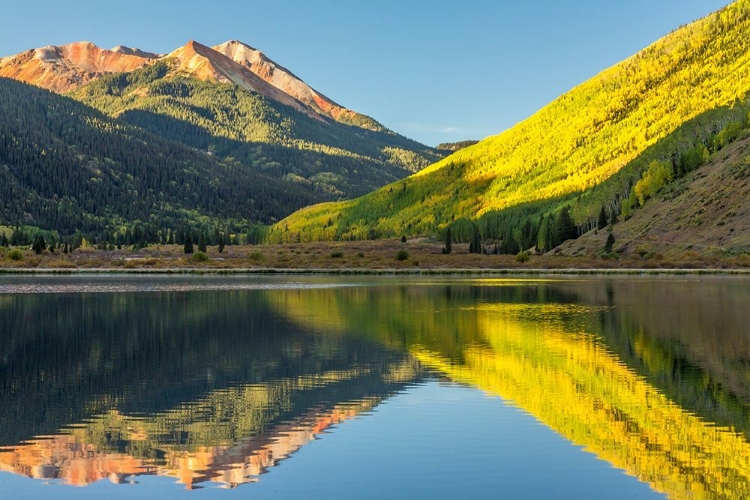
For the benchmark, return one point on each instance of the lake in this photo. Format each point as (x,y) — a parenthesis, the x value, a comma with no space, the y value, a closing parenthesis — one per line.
(374,387)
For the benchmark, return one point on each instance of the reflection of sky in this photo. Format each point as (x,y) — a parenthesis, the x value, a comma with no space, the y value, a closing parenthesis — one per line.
(432,441)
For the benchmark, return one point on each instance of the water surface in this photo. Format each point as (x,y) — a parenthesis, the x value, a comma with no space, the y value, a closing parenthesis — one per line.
(374,387)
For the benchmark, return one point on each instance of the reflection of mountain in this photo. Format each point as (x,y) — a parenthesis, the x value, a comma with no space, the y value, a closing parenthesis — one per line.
(199,386)
(219,386)
(549,347)
(116,446)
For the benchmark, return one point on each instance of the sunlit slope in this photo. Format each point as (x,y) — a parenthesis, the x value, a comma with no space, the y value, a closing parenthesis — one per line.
(570,382)
(574,143)
(239,125)
(705,211)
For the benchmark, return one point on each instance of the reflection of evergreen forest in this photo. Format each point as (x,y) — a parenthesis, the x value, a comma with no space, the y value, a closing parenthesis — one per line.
(656,387)
(67,358)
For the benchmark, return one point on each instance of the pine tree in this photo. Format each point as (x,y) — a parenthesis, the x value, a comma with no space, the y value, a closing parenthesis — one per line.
(202,243)
(564,228)
(610,243)
(188,244)
(221,243)
(602,219)
(475,246)
(39,245)
(448,237)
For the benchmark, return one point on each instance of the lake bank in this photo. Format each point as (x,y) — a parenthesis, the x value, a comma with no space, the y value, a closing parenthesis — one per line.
(418,256)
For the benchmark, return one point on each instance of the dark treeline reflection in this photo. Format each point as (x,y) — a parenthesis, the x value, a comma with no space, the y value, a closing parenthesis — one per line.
(67,357)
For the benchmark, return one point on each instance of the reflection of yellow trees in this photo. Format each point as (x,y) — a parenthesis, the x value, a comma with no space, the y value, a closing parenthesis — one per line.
(569,381)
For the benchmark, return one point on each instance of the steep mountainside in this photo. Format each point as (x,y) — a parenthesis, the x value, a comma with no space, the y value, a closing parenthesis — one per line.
(236,105)
(707,211)
(283,79)
(205,64)
(576,142)
(67,167)
(177,97)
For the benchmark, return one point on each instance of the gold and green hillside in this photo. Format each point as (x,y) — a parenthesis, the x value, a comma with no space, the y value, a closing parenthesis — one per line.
(575,143)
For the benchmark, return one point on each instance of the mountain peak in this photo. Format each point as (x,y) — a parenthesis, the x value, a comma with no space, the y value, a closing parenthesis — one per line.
(131,51)
(205,63)
(281,78)
(65,67)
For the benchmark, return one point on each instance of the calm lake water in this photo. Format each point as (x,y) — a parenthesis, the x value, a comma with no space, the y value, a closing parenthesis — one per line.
(374,387)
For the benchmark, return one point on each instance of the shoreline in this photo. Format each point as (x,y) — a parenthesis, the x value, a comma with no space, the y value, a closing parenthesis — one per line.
(371,272)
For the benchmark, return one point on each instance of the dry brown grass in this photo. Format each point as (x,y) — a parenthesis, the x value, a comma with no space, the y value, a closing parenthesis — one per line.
(423,255)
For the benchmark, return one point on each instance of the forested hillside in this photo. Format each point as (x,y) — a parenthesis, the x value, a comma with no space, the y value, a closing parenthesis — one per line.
(67,167)
(331,159)
(575,143)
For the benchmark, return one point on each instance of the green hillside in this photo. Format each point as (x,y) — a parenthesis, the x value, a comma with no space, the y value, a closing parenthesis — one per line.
(575,143)
(331,160)
(67,167)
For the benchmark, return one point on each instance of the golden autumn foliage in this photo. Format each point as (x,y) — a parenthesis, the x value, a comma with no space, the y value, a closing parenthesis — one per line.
(573,144)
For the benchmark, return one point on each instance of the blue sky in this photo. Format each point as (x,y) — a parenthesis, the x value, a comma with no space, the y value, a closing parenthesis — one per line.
(434,70)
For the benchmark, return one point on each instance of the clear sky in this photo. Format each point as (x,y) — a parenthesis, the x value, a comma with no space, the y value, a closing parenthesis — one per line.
(433,70)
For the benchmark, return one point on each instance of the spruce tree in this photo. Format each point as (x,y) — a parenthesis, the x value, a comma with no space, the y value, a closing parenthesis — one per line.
(602,219)
(610,243)
(565,228)
(39,245)
(476,241)
(188,244)
(448,237)
(202,243)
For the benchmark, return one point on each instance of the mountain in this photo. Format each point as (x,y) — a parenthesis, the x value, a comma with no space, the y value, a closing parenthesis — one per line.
(202,98)
(706,211)
(245,111)
(67,167)
(200,62)
(283,79)
(455,146)
(578,141)
(69,66)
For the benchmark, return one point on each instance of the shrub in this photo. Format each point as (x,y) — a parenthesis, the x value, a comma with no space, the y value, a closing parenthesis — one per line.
(15,254)
(523,257)
(337,254)
(402,255)
(255,256)
(360,255)
(199,257)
